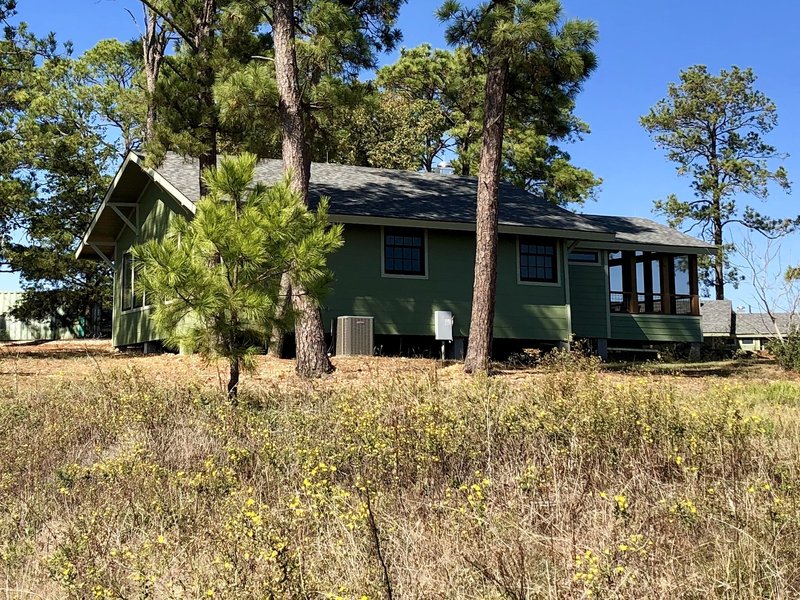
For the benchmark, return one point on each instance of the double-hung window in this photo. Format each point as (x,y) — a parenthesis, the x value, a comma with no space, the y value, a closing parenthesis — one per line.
(127,281)
(404,251)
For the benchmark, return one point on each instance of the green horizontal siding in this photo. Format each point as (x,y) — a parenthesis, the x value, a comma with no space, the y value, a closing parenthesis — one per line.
(156,209)
(587,292)
(133,327)
(656,328)
(403,305)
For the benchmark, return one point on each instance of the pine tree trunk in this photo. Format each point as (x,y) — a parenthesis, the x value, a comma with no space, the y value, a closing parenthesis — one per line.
(484,288)
(463,155)
(312,358)
(154,45)
(312,354)
(290,102)
(150,122)
(284,302)
(719,262)
(204,42)
(233,381)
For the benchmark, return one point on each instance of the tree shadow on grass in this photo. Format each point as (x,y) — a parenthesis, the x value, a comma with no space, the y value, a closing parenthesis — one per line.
(48,350)
(719,368)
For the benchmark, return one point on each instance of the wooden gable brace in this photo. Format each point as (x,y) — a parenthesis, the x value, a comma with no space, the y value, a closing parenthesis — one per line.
(124,218)
(102,255)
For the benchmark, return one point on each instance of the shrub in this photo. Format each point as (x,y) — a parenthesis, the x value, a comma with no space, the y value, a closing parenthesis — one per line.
(787,351)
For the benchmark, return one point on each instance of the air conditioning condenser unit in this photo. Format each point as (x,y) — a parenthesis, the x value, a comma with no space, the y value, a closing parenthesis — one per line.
(354,336)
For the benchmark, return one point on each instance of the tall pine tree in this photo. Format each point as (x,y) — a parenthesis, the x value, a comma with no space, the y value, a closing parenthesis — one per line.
(340,37)
(70,120)
(20,52)
(713,128)
(528,53)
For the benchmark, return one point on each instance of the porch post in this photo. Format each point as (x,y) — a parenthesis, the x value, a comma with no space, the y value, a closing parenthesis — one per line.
(647,269)
(629,281)
(667,272)
(694,288)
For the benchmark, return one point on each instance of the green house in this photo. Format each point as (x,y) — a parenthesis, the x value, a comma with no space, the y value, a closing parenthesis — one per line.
(409,251)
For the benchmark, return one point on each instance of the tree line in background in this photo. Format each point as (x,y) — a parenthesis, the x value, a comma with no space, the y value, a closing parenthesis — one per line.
(298,79)
(275,78)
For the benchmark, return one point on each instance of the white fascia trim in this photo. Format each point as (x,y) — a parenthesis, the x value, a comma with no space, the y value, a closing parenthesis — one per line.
(164,183)
(99,211)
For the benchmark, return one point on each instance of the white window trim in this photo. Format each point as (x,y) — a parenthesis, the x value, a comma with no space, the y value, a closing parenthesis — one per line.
(133,309)
(383,252)
(559,260)
(138,309)
(128,251)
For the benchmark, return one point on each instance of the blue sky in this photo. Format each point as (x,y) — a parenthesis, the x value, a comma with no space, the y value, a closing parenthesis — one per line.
(643,46)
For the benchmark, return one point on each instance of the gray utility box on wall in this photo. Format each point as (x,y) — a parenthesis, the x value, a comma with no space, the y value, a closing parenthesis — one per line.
(443,325)
(354,336)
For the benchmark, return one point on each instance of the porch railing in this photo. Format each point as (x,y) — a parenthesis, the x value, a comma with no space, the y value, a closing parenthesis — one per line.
(655,303)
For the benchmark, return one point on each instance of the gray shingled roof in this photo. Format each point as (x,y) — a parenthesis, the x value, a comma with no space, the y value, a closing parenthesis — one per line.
(644,232)
(369,192)
(760,324)
(717,317)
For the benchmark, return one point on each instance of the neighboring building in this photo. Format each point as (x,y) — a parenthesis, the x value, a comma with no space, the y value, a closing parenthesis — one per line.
(748,331)
(12,329)
(754,330)
(409,251)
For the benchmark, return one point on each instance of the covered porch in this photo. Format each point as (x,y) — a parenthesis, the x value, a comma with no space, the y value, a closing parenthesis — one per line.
(661,283)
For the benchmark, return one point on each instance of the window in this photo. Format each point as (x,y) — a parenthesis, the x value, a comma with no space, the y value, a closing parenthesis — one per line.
(537,260)
(127,281)
(404,252)
(131,291)
(138,292)
(584,256)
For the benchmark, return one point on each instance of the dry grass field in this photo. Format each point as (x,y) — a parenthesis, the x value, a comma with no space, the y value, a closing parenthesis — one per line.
(129,476)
